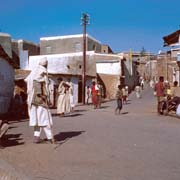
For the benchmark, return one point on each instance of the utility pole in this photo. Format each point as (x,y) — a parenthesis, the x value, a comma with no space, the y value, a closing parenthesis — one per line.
(84,19)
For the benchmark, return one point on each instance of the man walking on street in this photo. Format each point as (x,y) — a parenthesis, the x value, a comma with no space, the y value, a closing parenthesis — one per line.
(99,89)
(38,101)
(159,89)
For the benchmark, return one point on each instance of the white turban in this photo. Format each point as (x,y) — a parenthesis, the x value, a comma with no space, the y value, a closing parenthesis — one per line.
(38,74)
(43,61)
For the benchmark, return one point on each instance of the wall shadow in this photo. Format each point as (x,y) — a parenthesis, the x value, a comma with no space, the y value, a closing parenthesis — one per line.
(13,118)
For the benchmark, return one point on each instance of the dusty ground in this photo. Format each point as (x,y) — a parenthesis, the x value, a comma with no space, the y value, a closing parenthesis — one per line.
(99,145)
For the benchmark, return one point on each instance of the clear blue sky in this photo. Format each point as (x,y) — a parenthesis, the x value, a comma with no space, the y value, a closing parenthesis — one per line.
(122,24)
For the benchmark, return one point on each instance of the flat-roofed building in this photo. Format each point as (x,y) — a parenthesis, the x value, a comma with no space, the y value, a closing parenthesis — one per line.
(68,44)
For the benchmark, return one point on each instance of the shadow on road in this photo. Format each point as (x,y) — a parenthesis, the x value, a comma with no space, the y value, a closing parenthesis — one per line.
(68,115)
(73,115)
(80,110)
(12,127)
(126,103)
(9,140)
(104,107)
(64,136)
(124,112)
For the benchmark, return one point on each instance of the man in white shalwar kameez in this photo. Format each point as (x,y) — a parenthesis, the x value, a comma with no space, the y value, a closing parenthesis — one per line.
(63,101)
(70,93)
(61,108)
(39,114)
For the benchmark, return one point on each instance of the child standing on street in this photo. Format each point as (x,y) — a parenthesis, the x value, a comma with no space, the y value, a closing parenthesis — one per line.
(119,95)
(125,94)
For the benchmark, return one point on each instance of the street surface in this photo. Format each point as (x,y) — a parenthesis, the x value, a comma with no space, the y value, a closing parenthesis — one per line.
(99,145)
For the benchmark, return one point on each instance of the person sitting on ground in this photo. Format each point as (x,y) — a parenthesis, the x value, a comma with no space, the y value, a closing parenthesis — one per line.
(174,89)
(174,99)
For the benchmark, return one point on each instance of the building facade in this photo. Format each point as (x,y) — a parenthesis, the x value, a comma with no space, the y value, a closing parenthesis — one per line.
(68,44)
(68,66)
(23,49)
(6,73)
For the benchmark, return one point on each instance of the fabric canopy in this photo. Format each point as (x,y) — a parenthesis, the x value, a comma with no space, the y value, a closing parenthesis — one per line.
(172,39)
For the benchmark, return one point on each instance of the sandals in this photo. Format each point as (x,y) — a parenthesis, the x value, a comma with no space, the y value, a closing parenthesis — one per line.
(38,140)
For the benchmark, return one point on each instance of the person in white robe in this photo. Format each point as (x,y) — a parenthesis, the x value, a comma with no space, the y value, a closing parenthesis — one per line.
(39,114)
(138,91)
(61,97)
(88,95)
(71,97)
(67,99)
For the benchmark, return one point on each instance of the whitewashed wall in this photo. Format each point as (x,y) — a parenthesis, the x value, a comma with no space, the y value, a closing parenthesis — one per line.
(23,59)
(6,85)
(69,63)
(112,68)
(58,64)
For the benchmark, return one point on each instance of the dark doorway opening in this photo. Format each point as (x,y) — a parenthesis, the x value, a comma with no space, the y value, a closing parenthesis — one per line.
(79,91)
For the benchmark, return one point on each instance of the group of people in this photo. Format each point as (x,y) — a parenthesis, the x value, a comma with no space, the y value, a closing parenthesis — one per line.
(39,102)
(65,102)
(38,99)
(123,92)
(166,95)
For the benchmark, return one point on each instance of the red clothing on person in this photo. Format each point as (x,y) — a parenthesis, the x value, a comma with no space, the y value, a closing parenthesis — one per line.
(94,95)
(159,88)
